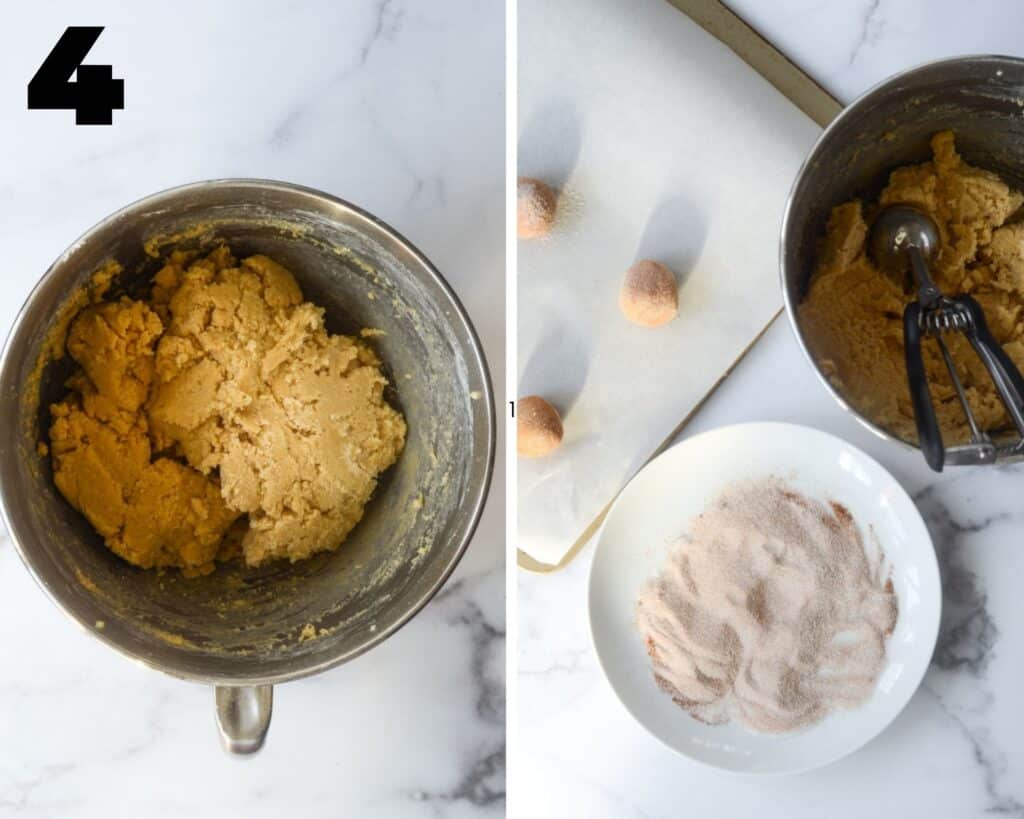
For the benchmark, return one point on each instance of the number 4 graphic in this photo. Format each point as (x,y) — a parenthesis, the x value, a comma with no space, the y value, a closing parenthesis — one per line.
(94,95)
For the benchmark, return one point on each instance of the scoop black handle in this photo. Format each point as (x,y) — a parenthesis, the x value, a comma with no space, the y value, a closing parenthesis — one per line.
(985,338)
(928,434)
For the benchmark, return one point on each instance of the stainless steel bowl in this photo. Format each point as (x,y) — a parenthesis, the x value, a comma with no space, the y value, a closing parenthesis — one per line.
(981,98)
(242,629)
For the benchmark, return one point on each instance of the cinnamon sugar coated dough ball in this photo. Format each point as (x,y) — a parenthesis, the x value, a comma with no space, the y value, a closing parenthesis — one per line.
(535,208)
(538,428)
(649,295)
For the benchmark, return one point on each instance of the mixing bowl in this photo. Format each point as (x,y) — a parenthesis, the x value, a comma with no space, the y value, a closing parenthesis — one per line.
(980,98)
(245,629)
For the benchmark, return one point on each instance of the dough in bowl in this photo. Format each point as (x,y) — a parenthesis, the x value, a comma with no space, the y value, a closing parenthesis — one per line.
(852,315)
(221,398)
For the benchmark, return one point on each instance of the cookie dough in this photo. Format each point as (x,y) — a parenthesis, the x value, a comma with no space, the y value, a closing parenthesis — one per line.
(150,512)
(538,427)
(222,399)
(649,296)
(852,314)
(535,208)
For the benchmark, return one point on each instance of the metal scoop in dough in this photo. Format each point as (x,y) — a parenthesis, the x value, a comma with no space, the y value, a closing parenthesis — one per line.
(903,234)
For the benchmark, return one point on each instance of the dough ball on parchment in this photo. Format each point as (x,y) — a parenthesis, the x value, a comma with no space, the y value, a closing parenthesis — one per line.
(535,208)
(649,295)
(538,427)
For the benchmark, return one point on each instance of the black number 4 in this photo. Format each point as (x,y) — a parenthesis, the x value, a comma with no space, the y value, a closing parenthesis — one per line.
(94,95)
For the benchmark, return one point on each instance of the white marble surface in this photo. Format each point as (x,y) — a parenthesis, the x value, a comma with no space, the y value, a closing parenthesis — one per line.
(957,750)
(395,105)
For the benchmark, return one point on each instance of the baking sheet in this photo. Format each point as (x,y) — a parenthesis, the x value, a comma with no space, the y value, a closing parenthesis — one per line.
(664,144)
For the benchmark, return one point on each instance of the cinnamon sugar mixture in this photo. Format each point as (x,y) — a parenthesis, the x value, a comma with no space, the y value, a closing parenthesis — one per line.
(771,611)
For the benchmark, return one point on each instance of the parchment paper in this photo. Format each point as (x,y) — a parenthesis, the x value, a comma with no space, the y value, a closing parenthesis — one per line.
(665,145)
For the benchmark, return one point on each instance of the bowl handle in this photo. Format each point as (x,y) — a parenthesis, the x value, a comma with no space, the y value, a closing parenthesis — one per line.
(243,716)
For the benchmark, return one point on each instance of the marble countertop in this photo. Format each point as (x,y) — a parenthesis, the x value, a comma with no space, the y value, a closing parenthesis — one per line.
(957,749)
(397,106)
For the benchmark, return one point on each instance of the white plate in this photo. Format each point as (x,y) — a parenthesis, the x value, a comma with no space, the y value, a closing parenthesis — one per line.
(656,508)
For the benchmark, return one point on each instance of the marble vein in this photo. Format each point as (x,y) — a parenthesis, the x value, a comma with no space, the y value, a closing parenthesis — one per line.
(872,25)
(487,666)
(386,27)
(419,182)
(483,786)
(968,636)
(483,783)
(25,790)
(570,661)
(616,804)
(154,729)
(968,632)
(990,759)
